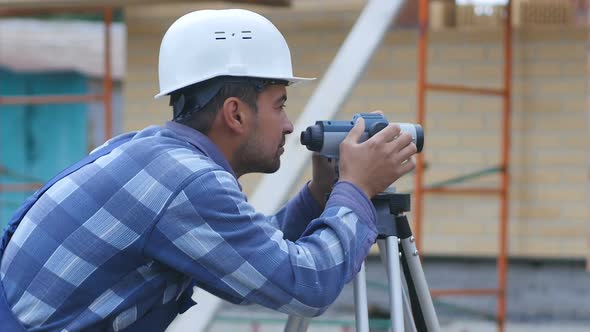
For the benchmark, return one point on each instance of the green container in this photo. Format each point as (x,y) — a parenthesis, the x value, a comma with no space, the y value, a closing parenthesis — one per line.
(38,141)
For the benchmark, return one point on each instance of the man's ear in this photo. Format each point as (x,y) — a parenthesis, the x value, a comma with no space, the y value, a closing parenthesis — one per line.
(234,115)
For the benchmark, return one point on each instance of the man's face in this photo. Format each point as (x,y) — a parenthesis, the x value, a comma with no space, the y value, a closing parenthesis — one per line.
(263,145)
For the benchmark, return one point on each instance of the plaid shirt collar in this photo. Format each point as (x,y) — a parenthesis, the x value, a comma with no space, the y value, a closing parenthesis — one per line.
(201,142)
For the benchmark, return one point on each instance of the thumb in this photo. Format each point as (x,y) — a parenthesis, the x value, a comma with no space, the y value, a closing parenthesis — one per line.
(355,133)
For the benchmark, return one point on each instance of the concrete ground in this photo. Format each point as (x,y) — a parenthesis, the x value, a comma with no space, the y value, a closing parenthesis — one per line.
(542,296)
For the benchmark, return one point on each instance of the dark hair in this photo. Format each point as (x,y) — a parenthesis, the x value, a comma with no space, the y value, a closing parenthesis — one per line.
(196,105)
(201,117)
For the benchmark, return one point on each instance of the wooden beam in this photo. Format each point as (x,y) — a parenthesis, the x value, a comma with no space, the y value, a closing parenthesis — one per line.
(68,4)
(277,3)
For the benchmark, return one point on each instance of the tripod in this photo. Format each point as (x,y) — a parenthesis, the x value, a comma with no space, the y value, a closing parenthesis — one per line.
(410,303)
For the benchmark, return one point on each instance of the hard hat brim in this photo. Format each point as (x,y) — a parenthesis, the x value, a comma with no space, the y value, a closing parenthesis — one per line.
(291,80)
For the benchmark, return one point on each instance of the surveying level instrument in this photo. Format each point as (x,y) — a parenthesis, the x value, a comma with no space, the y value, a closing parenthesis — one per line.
(325,136)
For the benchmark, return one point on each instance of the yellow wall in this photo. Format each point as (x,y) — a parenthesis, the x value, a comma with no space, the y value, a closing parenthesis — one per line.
(549,192)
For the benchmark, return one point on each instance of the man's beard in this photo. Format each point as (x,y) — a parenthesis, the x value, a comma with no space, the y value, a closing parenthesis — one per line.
(253,160)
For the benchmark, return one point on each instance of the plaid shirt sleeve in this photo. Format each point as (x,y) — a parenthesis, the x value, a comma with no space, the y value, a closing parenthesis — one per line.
(294,217)
(212,234)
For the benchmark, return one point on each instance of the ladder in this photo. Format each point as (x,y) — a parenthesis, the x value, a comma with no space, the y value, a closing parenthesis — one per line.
(503,190)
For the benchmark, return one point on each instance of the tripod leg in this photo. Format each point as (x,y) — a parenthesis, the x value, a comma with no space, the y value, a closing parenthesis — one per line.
(393,268)
(423,311)
(300,324)
(296,324)
(360,301)
(409,324)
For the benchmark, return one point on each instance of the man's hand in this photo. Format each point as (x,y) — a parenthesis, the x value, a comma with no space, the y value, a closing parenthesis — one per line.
(376,163)
(323,178)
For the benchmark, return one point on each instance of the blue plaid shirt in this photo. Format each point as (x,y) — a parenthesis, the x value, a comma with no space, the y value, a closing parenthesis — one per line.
(122,239)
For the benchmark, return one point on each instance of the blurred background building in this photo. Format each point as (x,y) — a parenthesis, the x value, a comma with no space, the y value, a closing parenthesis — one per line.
(51,49)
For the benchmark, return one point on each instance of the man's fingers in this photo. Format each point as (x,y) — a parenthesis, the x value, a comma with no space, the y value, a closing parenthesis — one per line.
(408,166)
(407,152)
(356,132)
(387,134)
(403,140)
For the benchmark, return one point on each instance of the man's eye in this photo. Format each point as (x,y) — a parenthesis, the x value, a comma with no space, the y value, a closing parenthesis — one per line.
(282,107)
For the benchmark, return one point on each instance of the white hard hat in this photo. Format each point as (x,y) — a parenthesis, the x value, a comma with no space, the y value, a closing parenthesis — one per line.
(231,42)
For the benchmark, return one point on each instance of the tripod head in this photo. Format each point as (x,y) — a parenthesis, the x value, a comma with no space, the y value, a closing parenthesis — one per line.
(325,136)
(388,205)
(396,203)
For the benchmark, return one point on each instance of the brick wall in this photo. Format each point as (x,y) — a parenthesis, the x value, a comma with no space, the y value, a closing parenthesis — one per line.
(550,187)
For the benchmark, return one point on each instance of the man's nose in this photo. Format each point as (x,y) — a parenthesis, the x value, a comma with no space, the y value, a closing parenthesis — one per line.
(288,126)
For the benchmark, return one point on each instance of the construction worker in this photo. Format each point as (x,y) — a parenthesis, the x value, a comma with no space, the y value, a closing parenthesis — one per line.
(115,242)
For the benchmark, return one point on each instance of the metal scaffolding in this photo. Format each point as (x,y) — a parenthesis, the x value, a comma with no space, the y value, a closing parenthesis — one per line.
(503,190)
(107,83)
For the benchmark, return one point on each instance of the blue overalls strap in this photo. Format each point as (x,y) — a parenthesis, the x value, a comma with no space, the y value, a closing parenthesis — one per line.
(7,320)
